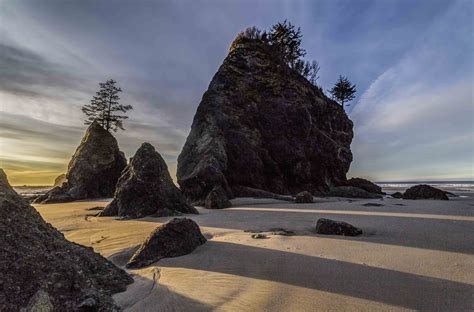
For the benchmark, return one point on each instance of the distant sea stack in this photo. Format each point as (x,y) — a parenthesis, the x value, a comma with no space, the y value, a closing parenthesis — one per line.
(146,188)
(41,271)
(93,170)
(261,125)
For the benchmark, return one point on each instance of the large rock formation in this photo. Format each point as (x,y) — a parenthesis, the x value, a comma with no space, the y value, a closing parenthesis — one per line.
(146,188)
(178,237)
(263,126)
(60,179)
(39,268)
(93,170)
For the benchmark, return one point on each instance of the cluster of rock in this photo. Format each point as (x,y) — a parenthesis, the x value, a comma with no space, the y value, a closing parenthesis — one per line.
(93,170)
(41,271)
(422,191)
(261,125)
(178,237)
(146,189)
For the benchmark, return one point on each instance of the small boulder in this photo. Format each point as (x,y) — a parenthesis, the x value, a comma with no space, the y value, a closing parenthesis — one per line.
(365,185)
(424,191)
(217,199)
(352,192)
(397,195)
(178,237)
(146,188)
(259,236)
(331,227)
(304,197)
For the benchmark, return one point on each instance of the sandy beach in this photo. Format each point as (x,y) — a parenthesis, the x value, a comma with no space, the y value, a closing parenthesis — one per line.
(413,255)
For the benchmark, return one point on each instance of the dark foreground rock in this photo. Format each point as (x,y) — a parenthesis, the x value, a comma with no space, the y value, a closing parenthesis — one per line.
(397,195)
(351,192)
(304,197)
(424,191)
(93,170)
(178,237)
(39,268)
(146,188)
(331,227)
(365,185)
(262,125)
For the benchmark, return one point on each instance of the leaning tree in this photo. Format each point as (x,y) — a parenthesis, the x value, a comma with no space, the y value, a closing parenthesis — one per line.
(105,107)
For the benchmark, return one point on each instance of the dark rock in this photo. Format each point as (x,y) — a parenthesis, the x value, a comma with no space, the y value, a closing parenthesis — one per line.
(243,191)
(262,125)
(424,191)
(365,185)
(282,232)
(259,236)
(146,188)
(304,197)
(373,205)
(60,179)
(40,269)
(397,195)
(217,199)
(93,170)
(331,227)
(178,237)
(352,192)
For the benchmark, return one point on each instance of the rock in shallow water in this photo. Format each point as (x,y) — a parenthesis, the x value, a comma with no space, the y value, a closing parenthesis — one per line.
(424,191)
(93,170)
(365,185)
(262,125)
(331,227)
(178,237)
(40,268)
(146,188)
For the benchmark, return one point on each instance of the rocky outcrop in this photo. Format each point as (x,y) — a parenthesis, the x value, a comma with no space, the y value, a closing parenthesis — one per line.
(331,227)
(60,179)
(365,185)
(93,170)
(351,192)
(146,188)
(41,271)
(424,191)
(304,197)
(262,125)
(178,237)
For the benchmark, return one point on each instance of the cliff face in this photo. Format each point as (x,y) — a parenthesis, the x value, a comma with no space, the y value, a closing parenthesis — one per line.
(93,170)
(39,268)
(261,125)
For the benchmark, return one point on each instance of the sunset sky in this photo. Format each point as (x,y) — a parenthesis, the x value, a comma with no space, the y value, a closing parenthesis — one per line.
(412,62)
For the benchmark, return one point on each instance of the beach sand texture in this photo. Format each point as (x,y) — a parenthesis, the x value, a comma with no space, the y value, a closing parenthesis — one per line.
(413,255)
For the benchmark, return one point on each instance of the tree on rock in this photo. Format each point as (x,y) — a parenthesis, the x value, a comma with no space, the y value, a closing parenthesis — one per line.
(343,91)
(105,107)
(287,39)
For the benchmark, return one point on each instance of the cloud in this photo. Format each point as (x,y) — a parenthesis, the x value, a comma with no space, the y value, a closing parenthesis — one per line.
(417,118)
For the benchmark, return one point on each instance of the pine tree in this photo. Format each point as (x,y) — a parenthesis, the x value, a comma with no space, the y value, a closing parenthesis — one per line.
(287,40)
(104,107)
(343,91)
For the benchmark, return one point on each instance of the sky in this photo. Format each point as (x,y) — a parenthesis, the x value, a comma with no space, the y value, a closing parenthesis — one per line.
(412,63)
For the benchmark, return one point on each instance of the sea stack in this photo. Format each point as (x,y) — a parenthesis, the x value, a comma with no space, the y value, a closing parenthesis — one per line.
(261,125)
(93,170)
(146,188)
(41,271)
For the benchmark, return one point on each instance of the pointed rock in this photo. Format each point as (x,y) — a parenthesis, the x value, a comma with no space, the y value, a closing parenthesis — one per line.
(40,269)
(146,188)
(93,170)
(263,126)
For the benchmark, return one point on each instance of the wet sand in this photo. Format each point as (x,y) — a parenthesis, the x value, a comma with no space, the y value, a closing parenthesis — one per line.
(413,255)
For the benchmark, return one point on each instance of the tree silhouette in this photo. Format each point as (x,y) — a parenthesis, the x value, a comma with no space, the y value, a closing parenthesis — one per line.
(287,40)
(343,91)
(104,107)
